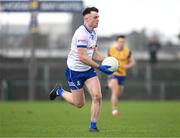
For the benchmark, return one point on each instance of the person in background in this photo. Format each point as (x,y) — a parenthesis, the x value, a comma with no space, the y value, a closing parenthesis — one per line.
(116,81)
(153,47)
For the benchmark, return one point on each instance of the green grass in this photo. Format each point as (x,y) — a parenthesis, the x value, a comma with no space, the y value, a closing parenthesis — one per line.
(59,119)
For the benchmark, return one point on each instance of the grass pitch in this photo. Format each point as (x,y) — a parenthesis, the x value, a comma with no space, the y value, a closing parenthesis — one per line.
(59,119)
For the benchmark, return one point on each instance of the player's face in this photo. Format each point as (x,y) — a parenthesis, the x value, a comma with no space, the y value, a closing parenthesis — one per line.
(93,19)
(121,42)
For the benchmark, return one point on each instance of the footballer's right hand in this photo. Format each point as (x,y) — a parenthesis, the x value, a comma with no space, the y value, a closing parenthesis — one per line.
(105,69)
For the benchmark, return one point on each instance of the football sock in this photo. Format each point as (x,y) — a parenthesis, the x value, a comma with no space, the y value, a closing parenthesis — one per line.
(59,91)
(114,109)
(92,124)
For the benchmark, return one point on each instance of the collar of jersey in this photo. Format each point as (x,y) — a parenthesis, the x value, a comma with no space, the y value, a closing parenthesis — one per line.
(87,29)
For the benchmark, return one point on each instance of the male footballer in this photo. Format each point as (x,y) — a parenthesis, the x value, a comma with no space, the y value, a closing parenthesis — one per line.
(116,81)
(81,65)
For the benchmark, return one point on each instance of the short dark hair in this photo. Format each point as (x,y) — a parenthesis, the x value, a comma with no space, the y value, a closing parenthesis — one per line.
(89,9)
(120,36)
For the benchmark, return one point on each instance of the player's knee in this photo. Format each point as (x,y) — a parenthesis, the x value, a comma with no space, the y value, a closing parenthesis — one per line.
(97,97)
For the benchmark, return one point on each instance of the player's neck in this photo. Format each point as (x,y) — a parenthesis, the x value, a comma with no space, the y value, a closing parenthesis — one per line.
(90,29)
(119,48)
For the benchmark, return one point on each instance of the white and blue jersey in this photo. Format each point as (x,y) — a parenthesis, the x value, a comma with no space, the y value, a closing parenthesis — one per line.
(77,72)
(83,38)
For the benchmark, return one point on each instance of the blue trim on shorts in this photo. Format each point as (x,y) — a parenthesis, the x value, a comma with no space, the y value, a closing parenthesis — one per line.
(76,79)
(121,79)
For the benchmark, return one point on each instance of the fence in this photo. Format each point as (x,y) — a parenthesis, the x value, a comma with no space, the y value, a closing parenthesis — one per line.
(145,81)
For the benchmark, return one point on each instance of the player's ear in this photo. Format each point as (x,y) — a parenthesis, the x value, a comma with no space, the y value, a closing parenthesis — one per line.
(86,17)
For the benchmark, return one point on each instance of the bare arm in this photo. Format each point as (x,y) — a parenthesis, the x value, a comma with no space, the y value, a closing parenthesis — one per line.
(82,52)
(108,52)
(97,56)
(131,62)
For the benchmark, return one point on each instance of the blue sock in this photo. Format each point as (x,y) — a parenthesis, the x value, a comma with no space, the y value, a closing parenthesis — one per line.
(59,92)
(92,124)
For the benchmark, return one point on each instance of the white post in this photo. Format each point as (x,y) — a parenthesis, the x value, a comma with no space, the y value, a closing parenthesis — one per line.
(149,79)
(46,78)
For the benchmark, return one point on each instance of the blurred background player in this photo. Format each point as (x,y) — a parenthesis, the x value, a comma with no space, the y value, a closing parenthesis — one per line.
(117,80)
(80,68)
(153,47)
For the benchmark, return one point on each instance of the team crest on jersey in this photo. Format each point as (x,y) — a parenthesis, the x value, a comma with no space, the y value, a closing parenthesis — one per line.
(92,37)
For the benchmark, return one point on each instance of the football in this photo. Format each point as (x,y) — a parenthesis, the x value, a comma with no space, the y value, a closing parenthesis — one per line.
(111,61)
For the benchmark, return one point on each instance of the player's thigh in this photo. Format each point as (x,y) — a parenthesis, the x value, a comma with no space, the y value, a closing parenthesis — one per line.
(121,88)
(115,86)
(113,83)
(78,96)
(94,87)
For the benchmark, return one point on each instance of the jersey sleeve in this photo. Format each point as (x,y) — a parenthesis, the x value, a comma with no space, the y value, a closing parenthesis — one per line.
(82,40)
